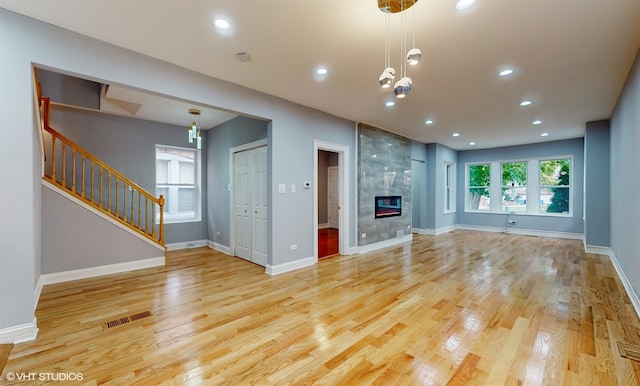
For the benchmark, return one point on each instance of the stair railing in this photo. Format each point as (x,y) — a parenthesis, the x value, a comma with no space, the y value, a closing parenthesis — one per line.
(95,183)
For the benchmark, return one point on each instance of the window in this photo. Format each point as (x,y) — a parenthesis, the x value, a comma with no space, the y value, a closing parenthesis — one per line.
(533,187)
(555,186)
(177,179)
(449,187)
(514,186)
(479,187)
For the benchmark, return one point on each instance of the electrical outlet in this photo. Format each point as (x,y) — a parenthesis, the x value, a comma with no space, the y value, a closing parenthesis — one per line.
(294,247)
(364,235)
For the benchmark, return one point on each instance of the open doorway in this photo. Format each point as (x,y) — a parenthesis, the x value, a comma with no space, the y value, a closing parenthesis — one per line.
(330,199)
(328,203)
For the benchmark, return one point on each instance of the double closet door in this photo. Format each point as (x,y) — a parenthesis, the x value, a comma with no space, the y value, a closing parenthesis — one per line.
(250,205)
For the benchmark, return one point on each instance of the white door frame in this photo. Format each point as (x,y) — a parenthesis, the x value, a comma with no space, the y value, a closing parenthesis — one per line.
(232,214)
(343,194)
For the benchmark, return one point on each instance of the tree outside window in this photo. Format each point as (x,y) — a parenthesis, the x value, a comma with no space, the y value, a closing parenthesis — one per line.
(514,186)
(479,187)
(555,184)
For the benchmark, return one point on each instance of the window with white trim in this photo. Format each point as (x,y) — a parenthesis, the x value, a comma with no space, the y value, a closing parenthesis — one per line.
(449,187)
(478,187)
(514,186)
(555,186)
(540,186)
(178,179)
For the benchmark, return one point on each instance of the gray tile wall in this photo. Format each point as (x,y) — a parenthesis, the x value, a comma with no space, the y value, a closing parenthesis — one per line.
(384,169)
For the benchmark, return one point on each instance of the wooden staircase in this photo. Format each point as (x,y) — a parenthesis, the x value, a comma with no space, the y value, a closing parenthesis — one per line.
(76,171)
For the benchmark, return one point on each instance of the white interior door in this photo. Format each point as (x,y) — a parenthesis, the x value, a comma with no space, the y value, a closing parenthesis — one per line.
(242,199)
(333,203)
(259,205)
(250,204)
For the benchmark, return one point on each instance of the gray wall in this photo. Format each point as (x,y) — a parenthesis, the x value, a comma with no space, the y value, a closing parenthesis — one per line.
(69,90)
(220,140)
(420,210)
(128,145)
(20,236)
(437,156)
(570,147)
(444,155)
(291,135)
(625,178)
(384,169)
(96,241)
(596,184)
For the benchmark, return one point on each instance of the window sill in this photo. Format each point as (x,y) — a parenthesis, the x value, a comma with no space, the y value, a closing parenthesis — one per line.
(556,215)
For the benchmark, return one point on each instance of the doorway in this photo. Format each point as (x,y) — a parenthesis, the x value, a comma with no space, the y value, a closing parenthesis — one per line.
(331,196)
(328,203)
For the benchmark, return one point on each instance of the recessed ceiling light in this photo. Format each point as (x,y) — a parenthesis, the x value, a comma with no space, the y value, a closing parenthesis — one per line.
(322,71)
(456,134)
(506,72)
(544,134)
(221,24)
(525,103)
(472,143)
(390,103)
(464,4)
(428,122)
(537,122)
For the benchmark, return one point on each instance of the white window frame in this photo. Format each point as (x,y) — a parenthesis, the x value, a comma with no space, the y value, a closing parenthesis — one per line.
(467,199)
(449,187)
(533,186)
(570,187)
(170,218)
(526,187)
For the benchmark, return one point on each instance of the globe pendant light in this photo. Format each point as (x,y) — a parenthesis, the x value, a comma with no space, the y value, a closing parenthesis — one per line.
(403,86)
(389,73)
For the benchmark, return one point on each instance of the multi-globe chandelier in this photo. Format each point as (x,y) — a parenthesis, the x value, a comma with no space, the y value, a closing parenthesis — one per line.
(402,87)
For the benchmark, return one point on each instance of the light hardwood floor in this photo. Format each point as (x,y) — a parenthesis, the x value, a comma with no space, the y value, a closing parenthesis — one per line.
(462,308)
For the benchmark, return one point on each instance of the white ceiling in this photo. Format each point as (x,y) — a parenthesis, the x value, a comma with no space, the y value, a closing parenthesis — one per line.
(151,107)
(571,57)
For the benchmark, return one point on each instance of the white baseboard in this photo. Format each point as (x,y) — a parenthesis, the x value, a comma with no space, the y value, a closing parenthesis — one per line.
(85,273)
(442,230)
(323,226)
(598,250)
(352,251)
(20,333)
(187,245)
(524,232)
(219,247)
(291,265)
(435,232)
(633,296)
(384,244)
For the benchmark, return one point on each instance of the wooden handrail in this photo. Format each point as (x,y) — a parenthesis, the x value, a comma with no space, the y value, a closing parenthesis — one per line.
(118,188)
